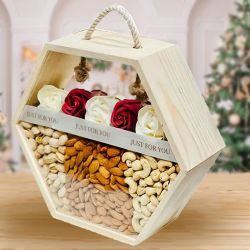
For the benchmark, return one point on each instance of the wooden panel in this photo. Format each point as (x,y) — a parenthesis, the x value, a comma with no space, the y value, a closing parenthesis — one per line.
(217,217)
(182,110)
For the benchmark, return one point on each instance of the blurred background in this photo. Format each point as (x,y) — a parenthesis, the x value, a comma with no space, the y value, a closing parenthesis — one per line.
(213,35)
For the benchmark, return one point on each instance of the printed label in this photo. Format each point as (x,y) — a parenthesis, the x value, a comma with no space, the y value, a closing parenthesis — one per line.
(109,135)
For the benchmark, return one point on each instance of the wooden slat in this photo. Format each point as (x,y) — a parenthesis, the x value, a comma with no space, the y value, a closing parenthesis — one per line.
(218,217)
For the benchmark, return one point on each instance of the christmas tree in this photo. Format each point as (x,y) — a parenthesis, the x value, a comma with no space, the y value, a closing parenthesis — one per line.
(228,93)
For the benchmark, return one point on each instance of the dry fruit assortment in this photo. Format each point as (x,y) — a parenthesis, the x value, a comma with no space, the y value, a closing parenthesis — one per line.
(97,182)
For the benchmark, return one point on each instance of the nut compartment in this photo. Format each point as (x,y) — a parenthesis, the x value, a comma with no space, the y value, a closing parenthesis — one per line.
(102,184)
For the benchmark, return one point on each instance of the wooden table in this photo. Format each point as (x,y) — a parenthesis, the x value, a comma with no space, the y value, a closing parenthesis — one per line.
(217,217)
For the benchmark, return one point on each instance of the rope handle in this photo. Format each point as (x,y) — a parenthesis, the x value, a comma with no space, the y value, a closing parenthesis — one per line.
(128,18)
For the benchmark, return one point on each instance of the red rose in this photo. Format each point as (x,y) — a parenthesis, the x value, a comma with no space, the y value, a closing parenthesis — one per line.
(75,102)
(98,92)
(125,114)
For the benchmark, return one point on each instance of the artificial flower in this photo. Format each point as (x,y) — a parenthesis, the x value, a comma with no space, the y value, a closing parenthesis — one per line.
(125,114)
(99,109)
(75,102)
(148,123)
(51,97)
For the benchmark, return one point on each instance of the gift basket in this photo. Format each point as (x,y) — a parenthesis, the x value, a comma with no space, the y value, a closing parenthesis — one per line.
(123,168)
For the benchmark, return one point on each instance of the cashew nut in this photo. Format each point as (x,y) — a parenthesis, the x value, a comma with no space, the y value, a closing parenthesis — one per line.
(145,211)
(136,204)
(136,224)
(162,195)
(151,207)
(171,170)
(162,165)
(155,174)
(137,176)
(129,172)
(173,176)
(129,156)
(144,200)
(142,183)
(141,190)
(158,187)
(149,181)
(164,176)
(143,222)
(136,165)
(150,191)
(132,185)
(146,168)
(152,161)
(165,185)
(154,201)
(178,169)
(129,163)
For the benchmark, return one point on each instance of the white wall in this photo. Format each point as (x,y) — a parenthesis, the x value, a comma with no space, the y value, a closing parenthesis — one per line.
(194,25)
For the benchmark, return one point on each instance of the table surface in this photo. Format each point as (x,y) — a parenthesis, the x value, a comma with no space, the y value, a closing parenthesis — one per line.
(217,217)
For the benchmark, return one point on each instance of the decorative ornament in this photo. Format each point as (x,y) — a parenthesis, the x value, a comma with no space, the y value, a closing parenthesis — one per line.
(136,89)
(222,68)
(226,81)
(82,71)
(241,42)
(228,36)
(245,83)
(247,141)
(240,95)
(234,119)
(225,104)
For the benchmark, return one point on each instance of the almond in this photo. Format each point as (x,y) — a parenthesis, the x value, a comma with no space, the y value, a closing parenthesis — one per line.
(88,161)
(71,151)
(116,171)
(93,180)
(71,142)
(101,179)
(104,172)
(112,152)
(79,158)
(123,188)
(87,151)
(105,163)
(123,166)
(72,162)
(79,145)
(94,166)
(113,162)
(104,149)
(100,157)
(100,187)
(66,166)
(120,180)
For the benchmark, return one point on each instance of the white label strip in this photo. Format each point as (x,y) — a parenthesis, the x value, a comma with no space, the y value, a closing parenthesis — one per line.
(117,137)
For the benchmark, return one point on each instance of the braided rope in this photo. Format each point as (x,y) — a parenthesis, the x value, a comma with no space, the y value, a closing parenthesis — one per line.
(125,14)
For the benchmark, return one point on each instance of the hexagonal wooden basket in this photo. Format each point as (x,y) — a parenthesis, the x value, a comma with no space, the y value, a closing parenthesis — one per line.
(194,140)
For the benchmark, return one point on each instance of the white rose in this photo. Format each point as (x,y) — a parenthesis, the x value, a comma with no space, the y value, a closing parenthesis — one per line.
(51,97)
(148,124)
(99,109)
(222,68)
